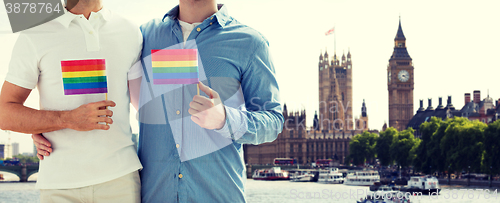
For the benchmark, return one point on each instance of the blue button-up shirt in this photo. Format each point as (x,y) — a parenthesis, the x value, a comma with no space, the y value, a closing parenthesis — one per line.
(182,161)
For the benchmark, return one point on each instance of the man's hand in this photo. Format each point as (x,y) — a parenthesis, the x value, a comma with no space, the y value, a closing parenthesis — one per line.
(43,146)
(88,116)
(208,113)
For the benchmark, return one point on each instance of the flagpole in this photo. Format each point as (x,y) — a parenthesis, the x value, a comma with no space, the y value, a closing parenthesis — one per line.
(106,95)
(198,88)
(334,41)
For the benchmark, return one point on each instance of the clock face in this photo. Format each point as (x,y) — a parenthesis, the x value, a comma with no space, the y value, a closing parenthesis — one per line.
(403,76)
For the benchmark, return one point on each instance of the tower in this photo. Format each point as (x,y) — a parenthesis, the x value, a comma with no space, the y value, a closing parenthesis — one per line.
(400,83)
(335,92)
(362,122)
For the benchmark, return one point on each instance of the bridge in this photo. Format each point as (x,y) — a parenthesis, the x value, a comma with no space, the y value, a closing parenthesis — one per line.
(23,172)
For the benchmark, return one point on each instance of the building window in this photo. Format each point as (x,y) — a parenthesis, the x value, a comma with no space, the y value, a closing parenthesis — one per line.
(299,148)
(291,133)
(300,133)
(291,148)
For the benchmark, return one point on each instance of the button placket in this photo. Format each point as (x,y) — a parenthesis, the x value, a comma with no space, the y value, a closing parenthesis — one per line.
(91,36)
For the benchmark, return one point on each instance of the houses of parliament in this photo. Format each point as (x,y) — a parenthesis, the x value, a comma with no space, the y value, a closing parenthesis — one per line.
(334,125)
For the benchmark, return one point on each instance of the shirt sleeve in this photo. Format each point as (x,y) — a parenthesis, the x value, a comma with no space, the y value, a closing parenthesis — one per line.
(136,69)
(262,120)
(23,67)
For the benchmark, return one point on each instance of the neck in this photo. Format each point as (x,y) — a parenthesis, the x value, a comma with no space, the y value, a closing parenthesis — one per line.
(83,7)
(195,11)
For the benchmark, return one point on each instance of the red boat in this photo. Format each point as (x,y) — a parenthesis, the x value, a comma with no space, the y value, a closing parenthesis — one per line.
(274,173)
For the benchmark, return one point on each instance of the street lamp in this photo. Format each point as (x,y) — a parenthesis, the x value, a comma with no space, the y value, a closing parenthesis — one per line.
(490,175)
(468,178)
(449,174)
(400,172)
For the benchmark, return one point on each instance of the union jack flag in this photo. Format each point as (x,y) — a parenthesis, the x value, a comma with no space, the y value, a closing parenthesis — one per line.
(329,32)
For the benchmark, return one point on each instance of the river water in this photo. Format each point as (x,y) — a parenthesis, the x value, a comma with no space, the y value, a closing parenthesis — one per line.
(291,192)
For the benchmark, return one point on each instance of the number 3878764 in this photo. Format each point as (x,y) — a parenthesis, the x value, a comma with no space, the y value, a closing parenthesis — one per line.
(32,8)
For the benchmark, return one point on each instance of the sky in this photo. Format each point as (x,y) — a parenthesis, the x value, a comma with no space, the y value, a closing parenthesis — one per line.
(454,46)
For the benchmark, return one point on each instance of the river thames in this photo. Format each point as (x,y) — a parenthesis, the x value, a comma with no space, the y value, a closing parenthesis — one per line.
(291,192)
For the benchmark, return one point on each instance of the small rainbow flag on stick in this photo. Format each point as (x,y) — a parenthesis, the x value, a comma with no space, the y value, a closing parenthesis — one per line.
(84,76)
(175,66)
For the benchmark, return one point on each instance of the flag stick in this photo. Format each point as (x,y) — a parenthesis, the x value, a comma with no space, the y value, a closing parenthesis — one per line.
(198,88)
(106,95)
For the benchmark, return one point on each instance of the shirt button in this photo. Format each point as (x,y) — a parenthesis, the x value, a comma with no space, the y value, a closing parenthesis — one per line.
(180,175)
(178,112)
(198,29)
(91,32)
(177,145)
(211,18)
(210,23)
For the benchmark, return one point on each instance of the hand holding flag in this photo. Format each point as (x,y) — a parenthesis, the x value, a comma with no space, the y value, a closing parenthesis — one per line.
(87,76)
(208,113)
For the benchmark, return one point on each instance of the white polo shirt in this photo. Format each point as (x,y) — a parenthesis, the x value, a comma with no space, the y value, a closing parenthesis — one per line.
(79,158)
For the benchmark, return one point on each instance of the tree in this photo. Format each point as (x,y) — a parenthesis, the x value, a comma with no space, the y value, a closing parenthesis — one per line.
(426,150)
(401,145)
(362,147)
(383,145)
(462,144)
(413,151)
(491,154)
(26,159)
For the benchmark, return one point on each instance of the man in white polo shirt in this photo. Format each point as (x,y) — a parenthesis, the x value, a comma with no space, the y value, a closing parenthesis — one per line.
(94,159)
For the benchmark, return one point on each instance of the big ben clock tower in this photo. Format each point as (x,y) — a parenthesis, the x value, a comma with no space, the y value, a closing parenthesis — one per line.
(400,83)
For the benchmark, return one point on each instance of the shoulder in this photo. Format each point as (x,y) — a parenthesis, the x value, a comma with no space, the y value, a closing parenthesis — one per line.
(251,36)
(153,24)
(123,22)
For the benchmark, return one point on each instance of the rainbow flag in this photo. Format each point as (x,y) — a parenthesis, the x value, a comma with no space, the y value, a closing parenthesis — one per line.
(84,76)
(175,66)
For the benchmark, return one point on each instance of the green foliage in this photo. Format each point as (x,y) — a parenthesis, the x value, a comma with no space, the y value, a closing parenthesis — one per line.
(27,159)
(462,144)
(490,161)
(453,144)
(401,147)
(383,145)
(362,147)
(413,150)
(427,149)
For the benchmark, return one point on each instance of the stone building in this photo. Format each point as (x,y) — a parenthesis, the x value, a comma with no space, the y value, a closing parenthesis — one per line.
(305,145)
(400,83)
(486,111)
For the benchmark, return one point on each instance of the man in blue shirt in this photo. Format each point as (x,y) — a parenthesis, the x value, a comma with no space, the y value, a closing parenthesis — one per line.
(191,146)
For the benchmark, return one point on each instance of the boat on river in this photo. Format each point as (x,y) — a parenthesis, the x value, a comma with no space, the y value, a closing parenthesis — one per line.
(274,173)
(331,176)
(362,178)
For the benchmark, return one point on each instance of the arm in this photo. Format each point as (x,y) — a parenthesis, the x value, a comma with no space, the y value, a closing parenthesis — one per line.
(19,118)
(134,87)
(262,120)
